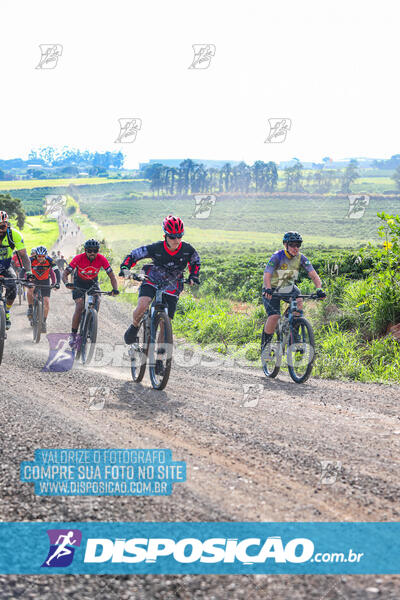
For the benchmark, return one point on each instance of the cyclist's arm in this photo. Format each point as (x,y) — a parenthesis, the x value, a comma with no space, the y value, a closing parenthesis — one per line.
(194,266)
(313,275)
(113,280)
(271,266)
(67,271)
(137,254)
(23,256)
(267,279)
(56,274)
(52,277)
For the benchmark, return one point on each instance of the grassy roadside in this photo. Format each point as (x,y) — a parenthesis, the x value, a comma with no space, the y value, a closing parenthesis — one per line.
(39,230)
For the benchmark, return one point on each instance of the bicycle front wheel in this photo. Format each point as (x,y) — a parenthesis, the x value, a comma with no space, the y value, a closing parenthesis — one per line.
(2,331)
(37,320)
(89,336)
(301,350)
(161,351)
(271,356)
(138,354)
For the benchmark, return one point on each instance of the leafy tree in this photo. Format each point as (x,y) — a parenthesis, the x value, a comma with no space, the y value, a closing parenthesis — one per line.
(350,175)
(396,177)
(13,208)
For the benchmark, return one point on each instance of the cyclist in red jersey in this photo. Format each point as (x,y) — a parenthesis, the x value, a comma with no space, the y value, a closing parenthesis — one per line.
(86,267)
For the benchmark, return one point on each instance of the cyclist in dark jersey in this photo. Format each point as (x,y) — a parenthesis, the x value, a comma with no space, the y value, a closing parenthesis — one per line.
(170,258)
(86,267)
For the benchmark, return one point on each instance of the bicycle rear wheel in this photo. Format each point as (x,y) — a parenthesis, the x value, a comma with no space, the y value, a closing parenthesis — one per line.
(2,330)
(37,320)
(271,356)
(301,350)
(89,336)
(138,354)
(161,351)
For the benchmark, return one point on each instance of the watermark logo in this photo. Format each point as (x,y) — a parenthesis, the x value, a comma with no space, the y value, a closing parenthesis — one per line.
(128,130)
(252,392)
(286,278)
(55,205)
(357,206)
(330,469)
(203,205)
(98,397)
(62,347)
(63,543)
(50,54)
(203,54)
(278,129)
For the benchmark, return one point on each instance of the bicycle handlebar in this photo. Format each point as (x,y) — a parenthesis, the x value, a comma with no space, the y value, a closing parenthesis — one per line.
(138,277)
(295,296)
(91,291)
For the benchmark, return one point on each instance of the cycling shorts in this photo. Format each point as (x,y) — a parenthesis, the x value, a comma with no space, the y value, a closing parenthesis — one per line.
(46,287)
(149,290)
(273,306)
(85,284)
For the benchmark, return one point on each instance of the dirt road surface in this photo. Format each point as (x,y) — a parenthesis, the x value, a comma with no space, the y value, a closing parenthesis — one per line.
(247,460)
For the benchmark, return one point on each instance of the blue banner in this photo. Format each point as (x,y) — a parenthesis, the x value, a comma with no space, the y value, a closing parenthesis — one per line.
(198,548)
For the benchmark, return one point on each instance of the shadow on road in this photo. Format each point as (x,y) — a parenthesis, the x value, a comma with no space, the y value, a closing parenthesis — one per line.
(145,402)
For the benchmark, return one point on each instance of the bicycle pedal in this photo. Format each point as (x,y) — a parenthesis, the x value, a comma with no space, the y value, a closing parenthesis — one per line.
(159,368)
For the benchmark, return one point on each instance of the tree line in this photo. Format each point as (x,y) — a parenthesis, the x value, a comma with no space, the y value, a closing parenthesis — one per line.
(191,177)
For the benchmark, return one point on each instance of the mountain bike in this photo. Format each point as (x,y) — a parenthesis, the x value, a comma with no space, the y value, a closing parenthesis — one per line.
(88,325)
(294,334)
(37,320)
(3,303)
(155,339)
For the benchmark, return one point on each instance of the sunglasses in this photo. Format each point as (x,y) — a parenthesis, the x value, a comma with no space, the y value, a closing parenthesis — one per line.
(294,245)
(3,225)
(92,251)
(174,236)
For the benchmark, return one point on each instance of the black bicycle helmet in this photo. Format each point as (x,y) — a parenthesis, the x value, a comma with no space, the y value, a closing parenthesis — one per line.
(292,236)
(92,244)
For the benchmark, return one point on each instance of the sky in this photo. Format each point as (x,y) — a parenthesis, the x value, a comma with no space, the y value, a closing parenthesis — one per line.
(330,67)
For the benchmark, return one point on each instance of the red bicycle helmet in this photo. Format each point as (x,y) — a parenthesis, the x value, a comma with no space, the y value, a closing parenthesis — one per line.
(173,226)
(3,216)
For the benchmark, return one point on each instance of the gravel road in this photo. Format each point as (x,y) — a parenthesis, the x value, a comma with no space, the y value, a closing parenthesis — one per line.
(248,459)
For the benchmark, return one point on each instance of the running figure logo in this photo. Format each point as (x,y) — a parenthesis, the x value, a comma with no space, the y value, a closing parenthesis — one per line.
(203,205)
(50,55)
(62,542)
(203,54)
(61,355)
(278,129)
(357,206)
(128,130)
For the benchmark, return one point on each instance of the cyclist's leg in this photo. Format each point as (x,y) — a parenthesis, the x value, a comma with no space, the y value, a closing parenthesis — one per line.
(172,301)
(146,295)
(79,297)
(299,300)
(272,308)
(11,294)
(29,297)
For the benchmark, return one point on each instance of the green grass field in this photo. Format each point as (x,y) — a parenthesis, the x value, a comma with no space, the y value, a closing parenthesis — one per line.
(122,238)
(52,183)
(39,231)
